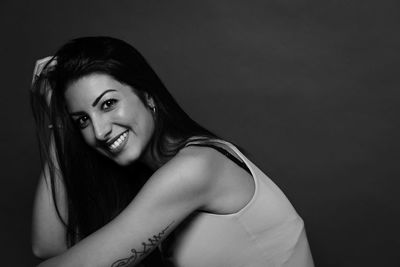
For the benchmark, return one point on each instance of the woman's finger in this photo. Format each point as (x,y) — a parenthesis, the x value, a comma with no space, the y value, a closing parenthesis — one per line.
(41,63)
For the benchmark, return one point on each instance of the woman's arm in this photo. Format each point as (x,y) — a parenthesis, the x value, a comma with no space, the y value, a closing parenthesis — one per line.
(171,194)
(48,232)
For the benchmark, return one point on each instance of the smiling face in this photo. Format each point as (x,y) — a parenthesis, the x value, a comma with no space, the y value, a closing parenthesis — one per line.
(112,118)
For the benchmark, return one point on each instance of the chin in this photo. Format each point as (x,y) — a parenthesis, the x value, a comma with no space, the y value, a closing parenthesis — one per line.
(125,159)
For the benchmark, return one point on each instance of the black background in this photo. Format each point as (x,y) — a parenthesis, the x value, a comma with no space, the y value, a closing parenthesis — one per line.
(309,88)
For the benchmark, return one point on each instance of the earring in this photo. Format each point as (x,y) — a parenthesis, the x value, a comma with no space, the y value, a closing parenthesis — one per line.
(153,109)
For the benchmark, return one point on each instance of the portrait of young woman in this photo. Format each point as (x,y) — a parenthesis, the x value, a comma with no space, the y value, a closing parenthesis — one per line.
(130,179)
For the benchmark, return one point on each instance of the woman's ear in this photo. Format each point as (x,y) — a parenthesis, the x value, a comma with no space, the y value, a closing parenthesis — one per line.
(150,102)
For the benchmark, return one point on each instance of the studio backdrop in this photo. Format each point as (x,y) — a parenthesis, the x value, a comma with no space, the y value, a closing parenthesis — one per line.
(309,88)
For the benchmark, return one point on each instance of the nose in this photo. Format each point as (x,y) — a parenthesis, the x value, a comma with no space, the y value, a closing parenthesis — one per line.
(102,128)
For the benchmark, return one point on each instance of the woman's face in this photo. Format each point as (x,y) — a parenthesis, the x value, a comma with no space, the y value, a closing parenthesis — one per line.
(112,118)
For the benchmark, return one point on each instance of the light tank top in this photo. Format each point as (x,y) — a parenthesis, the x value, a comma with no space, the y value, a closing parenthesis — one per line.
(267,232)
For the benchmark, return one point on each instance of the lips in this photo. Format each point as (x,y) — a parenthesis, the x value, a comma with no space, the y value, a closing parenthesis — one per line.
(116,144)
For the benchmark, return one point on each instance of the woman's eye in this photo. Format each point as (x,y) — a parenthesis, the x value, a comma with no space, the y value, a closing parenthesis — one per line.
(108,104)
(82,122)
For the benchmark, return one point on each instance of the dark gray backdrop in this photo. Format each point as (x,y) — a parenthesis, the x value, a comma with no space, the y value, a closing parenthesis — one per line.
(309,88)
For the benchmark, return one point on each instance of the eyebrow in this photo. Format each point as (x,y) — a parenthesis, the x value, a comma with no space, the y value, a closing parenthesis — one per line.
(78,113)
(100,96)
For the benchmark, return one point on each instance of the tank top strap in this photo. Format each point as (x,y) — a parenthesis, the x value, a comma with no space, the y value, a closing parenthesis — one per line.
(216,144)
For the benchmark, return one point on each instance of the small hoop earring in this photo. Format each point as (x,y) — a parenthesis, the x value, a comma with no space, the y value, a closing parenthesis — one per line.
(153,109)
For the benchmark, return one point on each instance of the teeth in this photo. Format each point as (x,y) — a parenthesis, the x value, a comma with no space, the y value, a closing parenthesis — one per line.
(119,141)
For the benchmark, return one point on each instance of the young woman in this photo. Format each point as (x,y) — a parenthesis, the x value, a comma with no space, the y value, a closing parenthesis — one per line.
(127,171)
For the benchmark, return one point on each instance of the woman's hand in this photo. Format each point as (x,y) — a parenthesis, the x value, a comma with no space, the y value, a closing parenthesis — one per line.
(41,64)
(42,67)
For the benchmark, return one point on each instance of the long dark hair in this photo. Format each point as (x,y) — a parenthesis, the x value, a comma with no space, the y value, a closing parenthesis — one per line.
(97,189)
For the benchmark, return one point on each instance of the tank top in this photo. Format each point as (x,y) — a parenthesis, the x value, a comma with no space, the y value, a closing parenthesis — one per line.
(266,232)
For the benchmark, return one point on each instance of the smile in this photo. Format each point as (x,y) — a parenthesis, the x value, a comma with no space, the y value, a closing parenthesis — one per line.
(117,145)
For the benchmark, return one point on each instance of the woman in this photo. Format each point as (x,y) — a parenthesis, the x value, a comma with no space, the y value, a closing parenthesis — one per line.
(128,171)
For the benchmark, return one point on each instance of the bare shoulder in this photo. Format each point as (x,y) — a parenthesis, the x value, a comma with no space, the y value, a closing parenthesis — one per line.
(226,186)
(195,166)
(205,176)
(191,171)
(200,162)
(185,181)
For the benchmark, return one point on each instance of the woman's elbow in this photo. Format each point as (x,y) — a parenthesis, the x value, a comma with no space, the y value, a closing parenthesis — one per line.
(41,252)
(45,251)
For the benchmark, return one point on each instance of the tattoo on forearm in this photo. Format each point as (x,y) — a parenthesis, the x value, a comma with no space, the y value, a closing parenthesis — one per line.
(146,248)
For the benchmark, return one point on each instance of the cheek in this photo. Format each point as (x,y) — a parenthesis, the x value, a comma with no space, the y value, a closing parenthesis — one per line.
(148,124)
(127,117)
